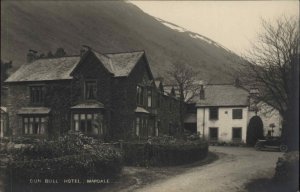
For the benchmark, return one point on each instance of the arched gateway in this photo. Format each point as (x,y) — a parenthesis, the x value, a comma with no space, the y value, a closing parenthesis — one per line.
(255,130)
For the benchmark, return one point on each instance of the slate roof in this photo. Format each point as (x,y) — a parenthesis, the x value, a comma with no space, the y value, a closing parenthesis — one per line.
(119,64)
(34,110)
(223,95)
(46,69)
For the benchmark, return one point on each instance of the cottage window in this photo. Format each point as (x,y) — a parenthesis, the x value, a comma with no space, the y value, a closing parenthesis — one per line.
(236,133)
(88,123)
(213,113)
(213,133)
(36,94)
(237,114)
(34,125)
(90,90)
(140,95)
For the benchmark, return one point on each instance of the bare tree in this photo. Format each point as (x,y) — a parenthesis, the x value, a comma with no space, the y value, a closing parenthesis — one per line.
(184,79)
(274,68)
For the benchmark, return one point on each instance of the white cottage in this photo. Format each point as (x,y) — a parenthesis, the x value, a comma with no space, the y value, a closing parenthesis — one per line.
(222,113)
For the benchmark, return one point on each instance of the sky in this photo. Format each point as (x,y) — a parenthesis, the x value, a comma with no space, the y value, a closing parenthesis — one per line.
(234,24)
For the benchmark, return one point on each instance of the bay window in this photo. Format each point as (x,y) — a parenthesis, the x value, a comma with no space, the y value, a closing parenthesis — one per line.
(88,123)
(34,125)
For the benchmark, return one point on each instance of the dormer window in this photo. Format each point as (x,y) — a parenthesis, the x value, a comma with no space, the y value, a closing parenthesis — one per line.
(90,91)
(37,94)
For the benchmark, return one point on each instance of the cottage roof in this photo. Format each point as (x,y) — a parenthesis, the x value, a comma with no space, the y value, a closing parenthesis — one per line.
(34,110)
(89,105)
(223,95)
(46,69)
(141,110)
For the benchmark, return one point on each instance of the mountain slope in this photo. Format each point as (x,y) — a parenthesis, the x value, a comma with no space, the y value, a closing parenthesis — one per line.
(108,27)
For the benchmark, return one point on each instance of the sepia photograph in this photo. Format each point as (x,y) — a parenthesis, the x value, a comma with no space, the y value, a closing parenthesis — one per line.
(149,96)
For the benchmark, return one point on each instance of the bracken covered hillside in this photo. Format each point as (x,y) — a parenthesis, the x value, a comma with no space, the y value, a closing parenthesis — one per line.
(108,27)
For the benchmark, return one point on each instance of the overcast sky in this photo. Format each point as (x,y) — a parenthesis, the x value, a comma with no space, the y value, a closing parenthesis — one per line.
(233,23)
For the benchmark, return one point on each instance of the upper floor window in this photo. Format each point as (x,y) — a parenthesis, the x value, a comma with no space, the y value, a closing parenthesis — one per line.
(90,89)
(213,113)
(140,95)
(149,97)
(36,94)
(237,114)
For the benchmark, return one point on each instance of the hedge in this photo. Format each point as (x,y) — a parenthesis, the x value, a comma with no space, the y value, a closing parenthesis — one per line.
(168,154)
(73,156)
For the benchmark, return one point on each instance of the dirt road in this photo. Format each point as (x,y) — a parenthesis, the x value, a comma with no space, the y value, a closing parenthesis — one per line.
(235,167)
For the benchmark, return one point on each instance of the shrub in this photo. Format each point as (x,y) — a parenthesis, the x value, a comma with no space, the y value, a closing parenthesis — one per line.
(287,167)
(72,156)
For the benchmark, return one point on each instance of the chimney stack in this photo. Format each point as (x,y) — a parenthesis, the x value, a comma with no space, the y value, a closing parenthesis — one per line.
(202,93)
(237,82)
(31,56)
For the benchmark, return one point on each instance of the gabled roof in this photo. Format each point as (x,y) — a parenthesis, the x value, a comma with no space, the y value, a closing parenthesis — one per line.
(123,63)
(46,69)
(223,95)
(120,64)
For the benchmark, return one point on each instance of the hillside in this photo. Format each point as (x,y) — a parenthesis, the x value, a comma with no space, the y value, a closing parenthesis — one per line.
(108,27)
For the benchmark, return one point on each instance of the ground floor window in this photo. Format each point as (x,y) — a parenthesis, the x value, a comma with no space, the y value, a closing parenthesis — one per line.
(141,126)
(236,133)
(137,126)
(34,125)
(157,128)
(89,123)
(213,133)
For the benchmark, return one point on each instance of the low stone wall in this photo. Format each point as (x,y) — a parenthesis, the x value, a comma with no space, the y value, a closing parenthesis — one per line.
(146,154)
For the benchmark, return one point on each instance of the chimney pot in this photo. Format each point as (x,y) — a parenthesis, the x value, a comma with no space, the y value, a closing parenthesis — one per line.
(31,55)
(202,93)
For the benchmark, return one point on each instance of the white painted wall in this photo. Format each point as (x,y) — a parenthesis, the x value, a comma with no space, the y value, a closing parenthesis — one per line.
(225,123)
